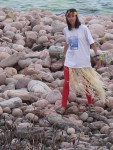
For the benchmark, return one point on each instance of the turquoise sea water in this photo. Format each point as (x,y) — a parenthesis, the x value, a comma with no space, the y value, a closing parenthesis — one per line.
(60,6)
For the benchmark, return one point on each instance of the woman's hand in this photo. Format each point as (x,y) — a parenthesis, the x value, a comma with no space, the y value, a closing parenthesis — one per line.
(98,64)
(98,60)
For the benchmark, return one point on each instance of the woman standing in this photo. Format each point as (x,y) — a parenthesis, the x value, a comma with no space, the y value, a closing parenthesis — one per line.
(78,73)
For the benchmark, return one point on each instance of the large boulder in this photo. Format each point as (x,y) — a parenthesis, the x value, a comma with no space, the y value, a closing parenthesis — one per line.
(11,60)
(11,103)
(97,29)
(38,86)
(58,26)
(23,94)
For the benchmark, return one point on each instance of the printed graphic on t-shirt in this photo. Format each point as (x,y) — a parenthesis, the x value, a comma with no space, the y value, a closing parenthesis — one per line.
(73,42)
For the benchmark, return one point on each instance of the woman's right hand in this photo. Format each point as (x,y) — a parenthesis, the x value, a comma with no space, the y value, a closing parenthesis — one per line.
(98,64)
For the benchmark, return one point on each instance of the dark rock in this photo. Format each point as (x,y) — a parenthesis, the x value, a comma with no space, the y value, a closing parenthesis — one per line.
(38,48)
(108,145)
(1,25)
(110,139)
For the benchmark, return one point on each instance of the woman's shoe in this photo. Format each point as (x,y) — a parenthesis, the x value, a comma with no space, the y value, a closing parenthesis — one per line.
(60,110)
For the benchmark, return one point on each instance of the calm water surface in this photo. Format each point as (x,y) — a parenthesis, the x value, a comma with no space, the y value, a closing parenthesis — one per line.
(60,6)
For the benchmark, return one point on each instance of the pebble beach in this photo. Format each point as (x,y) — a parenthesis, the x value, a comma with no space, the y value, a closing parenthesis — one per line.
(31,82)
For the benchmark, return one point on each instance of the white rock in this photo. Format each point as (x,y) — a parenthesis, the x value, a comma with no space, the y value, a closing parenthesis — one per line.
(18,48)
(38,86)
(42,39)
(41,103)
(84,116)
(2,18)
(17,112)
(70,130)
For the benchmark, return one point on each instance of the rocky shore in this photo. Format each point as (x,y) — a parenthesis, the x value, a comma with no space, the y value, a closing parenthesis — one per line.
(31,82)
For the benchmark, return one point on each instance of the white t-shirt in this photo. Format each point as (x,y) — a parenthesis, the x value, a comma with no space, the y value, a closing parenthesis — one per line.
(78,52)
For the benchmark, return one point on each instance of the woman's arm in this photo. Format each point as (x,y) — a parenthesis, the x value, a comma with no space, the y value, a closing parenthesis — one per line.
(65,49)
(97,57)
(93,46)
(64,52)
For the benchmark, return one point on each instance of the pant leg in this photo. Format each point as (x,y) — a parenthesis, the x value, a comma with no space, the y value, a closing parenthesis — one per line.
(89,97)
(65,92)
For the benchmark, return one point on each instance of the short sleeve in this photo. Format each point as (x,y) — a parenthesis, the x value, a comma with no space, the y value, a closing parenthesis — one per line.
(65,35)
(89,36)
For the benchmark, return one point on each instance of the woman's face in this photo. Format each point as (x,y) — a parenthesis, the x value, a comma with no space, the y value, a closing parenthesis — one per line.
(72,20)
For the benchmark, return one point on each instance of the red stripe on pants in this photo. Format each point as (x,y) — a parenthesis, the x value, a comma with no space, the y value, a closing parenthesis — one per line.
(65,92)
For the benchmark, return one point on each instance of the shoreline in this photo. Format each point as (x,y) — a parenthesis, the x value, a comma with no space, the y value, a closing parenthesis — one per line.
(87,11)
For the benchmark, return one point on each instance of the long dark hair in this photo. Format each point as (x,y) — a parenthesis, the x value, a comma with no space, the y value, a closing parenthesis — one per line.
(77,23)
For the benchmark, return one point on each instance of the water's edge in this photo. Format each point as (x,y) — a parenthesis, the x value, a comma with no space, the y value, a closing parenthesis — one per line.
(60,6)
